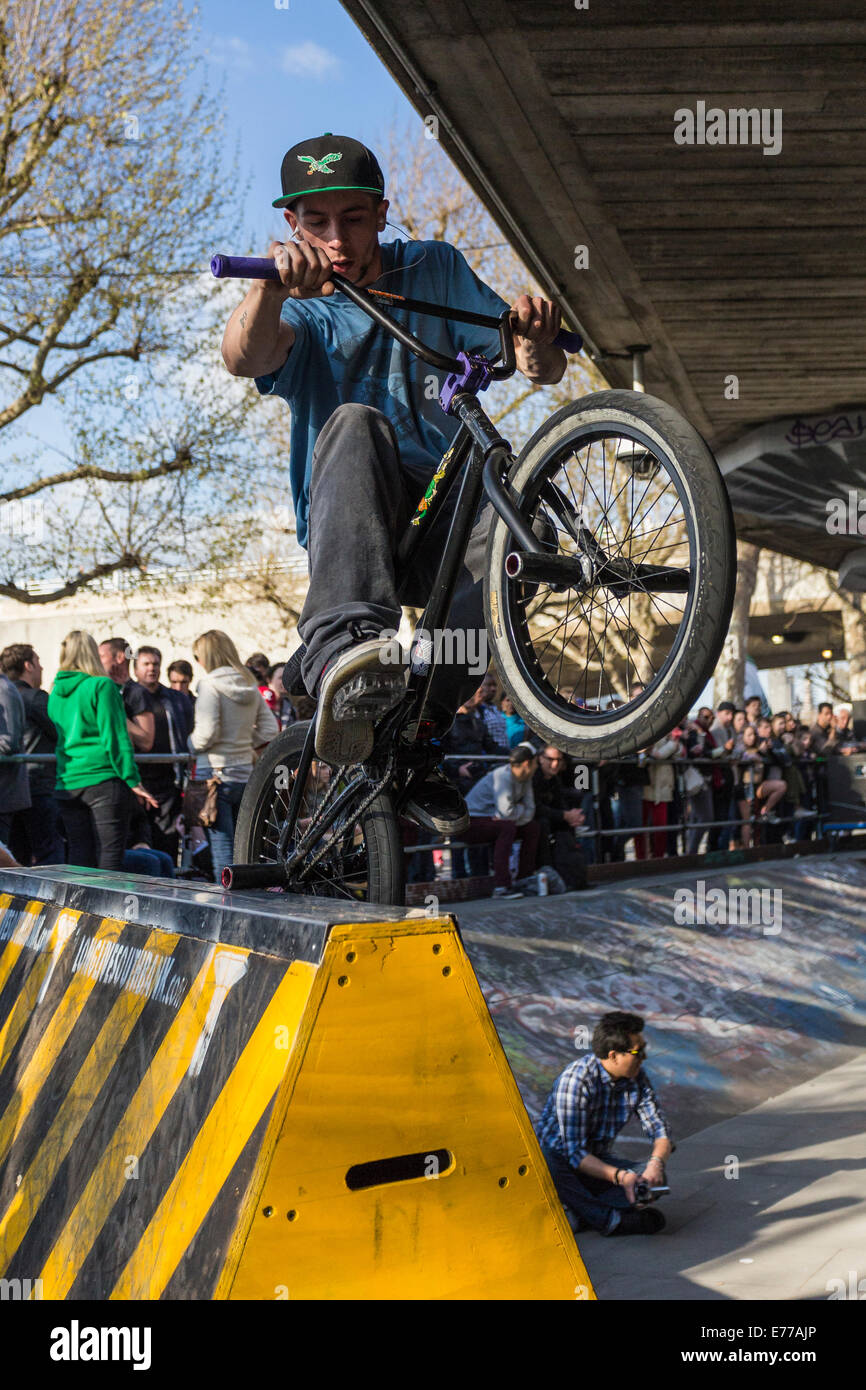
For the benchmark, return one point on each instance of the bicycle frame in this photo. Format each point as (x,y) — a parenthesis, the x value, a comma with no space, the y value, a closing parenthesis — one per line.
(482,455)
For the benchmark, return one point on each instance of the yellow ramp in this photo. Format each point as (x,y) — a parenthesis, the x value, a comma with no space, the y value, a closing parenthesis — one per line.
(209,1095)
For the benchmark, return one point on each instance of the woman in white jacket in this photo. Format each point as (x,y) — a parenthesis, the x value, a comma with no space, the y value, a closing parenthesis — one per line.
(657,797)
(231,720)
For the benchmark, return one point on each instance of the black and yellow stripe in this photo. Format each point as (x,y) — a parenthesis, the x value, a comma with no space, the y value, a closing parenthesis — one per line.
(180,1105)
(98,1061)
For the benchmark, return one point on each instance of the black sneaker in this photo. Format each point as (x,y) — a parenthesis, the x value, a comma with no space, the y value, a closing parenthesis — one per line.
(638,1223)
(291,677)
(358,686)
(436,804)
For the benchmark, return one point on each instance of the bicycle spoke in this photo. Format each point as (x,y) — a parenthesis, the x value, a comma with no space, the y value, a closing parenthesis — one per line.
(594,644)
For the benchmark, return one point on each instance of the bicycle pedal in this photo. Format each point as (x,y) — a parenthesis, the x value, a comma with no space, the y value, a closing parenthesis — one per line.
(368,695)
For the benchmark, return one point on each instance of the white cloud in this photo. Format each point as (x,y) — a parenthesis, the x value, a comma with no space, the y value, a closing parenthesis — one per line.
(232,53)
(309,59)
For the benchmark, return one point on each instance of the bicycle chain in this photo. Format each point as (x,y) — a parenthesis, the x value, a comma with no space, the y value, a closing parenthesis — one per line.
(356,814)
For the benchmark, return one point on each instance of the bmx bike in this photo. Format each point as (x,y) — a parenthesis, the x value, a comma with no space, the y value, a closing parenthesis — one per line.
(608,587)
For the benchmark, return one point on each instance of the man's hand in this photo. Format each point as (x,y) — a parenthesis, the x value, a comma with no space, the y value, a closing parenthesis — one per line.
(146,798)
(257,340)
(305,271)
(627,1181)
(654,1172)
(536,320)
(573,818)
(535,323)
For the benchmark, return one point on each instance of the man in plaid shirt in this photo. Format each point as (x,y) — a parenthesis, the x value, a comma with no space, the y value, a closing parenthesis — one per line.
(591,1101)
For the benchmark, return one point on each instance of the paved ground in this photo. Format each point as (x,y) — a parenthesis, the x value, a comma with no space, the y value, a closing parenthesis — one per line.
(790,1224)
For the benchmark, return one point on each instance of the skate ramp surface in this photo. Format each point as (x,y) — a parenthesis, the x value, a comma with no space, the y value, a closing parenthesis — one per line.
(736,1011)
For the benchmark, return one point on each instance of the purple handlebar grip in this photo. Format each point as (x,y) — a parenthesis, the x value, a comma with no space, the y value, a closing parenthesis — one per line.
(569,342)
(244,268)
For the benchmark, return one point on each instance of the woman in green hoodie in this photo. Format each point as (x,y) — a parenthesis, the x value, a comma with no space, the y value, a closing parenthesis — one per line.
(96,770)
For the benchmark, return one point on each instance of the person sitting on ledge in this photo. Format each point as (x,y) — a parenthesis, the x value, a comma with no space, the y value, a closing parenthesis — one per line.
(591,1101)
(502,809)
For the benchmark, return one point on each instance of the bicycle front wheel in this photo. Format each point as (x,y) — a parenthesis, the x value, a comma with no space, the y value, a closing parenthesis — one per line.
(607,639)
(363,861)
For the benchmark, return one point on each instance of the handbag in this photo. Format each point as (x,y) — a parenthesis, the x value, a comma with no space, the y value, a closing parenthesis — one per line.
(693,781)
(200,802)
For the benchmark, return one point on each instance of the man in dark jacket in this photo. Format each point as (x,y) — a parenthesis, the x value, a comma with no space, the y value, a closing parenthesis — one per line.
(558,820)
(470,734)
(823,731)
(115,654)
(14,783)
(173,722)
(36,831)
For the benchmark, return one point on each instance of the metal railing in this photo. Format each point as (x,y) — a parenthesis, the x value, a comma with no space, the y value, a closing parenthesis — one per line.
(599,798)
(599,833)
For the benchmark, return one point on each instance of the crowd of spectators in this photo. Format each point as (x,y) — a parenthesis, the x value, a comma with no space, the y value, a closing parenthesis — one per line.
(730,778)
(99,803)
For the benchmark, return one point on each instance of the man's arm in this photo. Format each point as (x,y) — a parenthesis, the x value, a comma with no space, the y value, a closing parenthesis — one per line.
(524,810)
(38,712)
(142,728)
(504,793)
(655,1126)
(257,340)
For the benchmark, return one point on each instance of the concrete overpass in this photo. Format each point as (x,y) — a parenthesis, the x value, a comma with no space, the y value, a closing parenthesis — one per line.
(619,128)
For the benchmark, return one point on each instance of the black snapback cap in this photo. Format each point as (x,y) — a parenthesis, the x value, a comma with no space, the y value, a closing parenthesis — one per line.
(328,162)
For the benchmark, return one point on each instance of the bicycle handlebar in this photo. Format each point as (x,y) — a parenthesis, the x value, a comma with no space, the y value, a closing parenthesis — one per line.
(264,268)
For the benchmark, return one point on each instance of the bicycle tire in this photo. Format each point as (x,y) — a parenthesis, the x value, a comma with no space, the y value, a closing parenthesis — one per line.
(385,870)
(641,721)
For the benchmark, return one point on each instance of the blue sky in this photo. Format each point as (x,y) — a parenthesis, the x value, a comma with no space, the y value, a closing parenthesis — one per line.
(289,74)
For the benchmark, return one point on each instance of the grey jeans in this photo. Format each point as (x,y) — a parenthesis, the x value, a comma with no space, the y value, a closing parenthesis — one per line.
(362,497)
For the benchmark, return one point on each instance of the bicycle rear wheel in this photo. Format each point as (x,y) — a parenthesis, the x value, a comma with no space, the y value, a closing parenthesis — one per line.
(364,862)
(607,639)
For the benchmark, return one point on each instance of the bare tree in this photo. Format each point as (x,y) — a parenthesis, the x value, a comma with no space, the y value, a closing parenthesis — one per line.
(115,431)
(853,609)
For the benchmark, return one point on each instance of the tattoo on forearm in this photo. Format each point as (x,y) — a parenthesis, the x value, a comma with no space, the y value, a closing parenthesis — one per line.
(244,319)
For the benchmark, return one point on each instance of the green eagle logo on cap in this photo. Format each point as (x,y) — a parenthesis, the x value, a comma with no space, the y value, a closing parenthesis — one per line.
(319,166)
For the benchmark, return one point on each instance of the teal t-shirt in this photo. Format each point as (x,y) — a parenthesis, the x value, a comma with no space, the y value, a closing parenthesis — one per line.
(339,355)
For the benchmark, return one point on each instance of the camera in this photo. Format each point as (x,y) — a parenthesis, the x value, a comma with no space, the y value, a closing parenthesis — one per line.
(643,1192)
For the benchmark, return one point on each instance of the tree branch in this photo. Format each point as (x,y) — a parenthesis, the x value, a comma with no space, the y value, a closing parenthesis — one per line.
(83,578)
(181,461)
